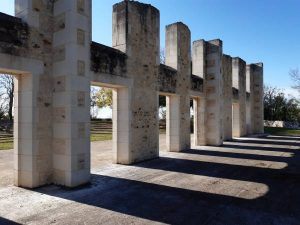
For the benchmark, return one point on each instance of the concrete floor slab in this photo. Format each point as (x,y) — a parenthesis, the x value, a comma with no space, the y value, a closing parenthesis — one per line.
(245,181)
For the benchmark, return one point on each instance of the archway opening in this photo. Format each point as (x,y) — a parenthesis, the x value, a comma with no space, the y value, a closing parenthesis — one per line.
(101,128)
(162,117)
(7,109)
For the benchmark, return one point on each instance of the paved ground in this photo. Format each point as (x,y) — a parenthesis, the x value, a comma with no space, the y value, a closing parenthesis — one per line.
(246,181)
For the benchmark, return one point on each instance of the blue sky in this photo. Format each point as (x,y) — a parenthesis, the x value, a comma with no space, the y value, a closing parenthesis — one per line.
(255,30)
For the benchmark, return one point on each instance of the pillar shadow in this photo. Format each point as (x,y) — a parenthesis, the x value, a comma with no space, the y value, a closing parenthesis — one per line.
(174,205)
(287,138)
(4,221)
(269,142)
(260,148)
(238,155)
(254,173)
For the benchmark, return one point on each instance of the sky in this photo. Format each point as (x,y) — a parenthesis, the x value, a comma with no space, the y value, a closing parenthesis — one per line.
(265,31)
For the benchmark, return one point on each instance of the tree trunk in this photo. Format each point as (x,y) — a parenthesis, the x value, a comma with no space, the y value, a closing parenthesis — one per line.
(11,103)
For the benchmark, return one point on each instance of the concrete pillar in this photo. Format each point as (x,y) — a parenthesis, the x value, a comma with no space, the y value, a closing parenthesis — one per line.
(33,99)
(198,69)
(257,104)
(236,120)
(227,94)
(136,32)
(249,74)
(178,56)
(199,121)
(71,97)
(239,82)
(173,123)
(121,125)
(214,92)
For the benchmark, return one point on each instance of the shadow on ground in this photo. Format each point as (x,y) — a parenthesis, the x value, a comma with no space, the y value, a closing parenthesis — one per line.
(176,205)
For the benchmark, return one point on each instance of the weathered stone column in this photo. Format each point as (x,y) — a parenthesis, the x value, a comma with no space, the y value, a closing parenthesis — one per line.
(257,104)
(249,74)
(214,92)
(121,125)
(239,73)
(227,94)
(199,121)
(71,101)
(198,69)
(136,33)
(33,98)
(178,56)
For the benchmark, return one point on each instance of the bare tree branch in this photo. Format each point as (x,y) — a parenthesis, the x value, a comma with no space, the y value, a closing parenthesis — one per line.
(295,76)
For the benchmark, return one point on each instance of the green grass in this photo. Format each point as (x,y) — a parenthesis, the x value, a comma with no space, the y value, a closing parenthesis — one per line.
(101,130)
(101,137)
(7,145)
(282,131)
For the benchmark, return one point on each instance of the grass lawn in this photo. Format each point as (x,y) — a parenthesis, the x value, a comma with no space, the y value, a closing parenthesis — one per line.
(100,131)
(101,137)
(7,145)
(282,131)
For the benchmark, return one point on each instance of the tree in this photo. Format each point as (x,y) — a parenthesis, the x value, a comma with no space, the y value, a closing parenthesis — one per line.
(7,93)
(103,97)
(94,109)
(295,76)
(2,111)
(278,107)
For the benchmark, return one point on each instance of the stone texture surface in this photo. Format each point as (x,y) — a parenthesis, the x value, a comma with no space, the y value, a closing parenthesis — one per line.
(178,56)
(257,108)
(239,108)
(227,93)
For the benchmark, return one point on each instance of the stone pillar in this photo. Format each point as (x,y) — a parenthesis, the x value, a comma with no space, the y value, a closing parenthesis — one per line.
(121,125)
(213,84)
(33,99)
(71,101)
(136,33)
(198,69)
(178,56)
(199,121)
(227,94)
(257,104)
(249,74)
(239,72)
(173,123)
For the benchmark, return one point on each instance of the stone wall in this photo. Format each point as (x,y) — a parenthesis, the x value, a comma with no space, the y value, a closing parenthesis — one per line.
(108,60)
(167,79)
